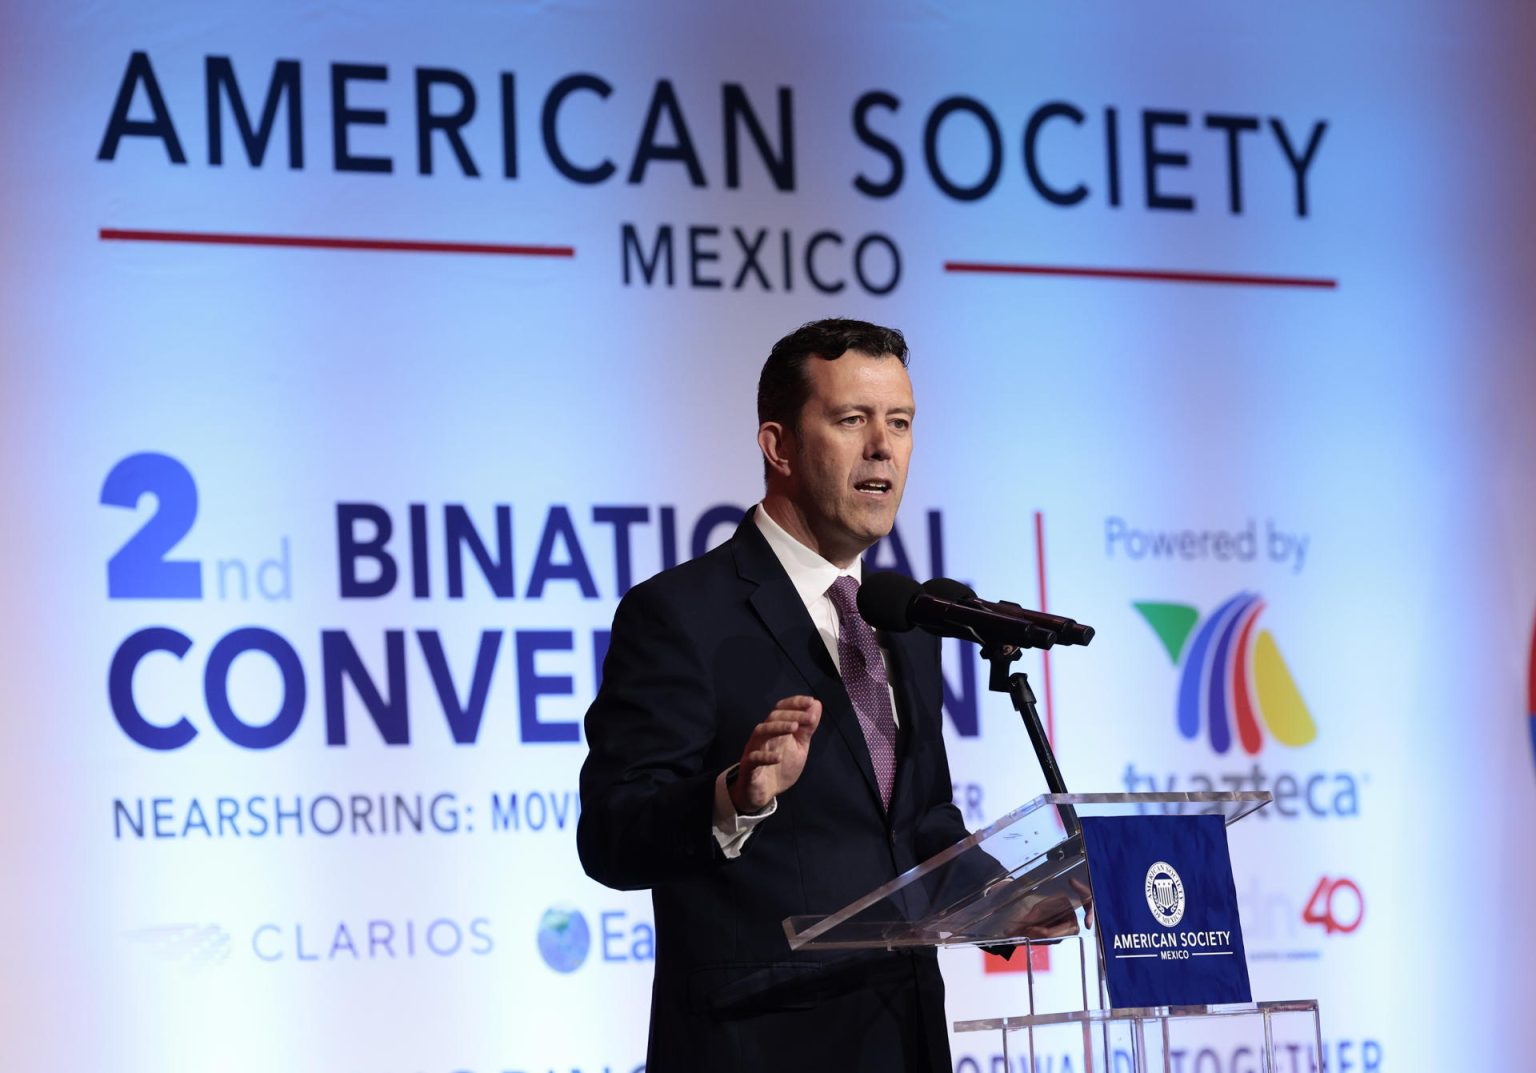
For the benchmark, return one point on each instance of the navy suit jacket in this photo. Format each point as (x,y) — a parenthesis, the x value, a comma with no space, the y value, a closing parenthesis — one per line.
(699,655)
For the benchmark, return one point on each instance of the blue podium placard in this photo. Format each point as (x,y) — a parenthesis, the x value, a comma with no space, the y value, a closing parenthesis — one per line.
(1166,910)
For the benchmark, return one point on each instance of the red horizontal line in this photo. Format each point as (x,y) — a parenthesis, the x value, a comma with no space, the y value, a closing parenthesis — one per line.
(1153,274)
(321,242)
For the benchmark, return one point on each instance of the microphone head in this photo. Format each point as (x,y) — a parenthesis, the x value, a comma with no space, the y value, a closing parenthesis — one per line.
(947,588)
(885,600)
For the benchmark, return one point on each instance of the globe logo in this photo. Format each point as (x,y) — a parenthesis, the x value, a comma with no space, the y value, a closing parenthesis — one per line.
(564,938)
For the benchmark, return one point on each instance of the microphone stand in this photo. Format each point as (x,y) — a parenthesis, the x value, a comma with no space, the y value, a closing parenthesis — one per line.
(1016,685)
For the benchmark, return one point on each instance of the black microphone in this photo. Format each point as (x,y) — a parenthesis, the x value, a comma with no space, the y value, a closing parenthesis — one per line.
(891,601)
(948,588)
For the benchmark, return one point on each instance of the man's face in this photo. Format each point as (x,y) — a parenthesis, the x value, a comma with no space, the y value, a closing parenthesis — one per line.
(849,456)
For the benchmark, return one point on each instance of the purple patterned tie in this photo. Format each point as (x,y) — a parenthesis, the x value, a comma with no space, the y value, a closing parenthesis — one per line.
(863,670)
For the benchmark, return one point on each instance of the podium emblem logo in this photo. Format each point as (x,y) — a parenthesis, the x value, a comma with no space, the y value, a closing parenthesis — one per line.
(1234,676)
(1165,894)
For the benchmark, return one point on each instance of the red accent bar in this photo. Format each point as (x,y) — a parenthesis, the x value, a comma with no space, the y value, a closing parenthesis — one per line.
(1045,654)
(318,242)
(1531,702)
(1143,274)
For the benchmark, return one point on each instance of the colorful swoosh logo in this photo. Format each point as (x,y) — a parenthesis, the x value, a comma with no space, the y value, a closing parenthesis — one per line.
(1234,677)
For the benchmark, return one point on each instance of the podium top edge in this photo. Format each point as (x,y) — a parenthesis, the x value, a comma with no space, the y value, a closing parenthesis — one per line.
(1161,797)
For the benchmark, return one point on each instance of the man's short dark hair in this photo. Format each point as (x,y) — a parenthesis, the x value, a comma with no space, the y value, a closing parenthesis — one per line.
(783,388)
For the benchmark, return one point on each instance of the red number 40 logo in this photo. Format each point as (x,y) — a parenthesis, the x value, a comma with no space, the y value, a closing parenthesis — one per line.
(1336,904)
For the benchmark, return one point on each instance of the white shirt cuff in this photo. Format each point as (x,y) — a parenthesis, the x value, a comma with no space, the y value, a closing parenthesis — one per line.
(731,828)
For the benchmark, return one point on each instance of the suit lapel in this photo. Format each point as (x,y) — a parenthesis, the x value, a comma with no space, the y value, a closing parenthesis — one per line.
(777,605)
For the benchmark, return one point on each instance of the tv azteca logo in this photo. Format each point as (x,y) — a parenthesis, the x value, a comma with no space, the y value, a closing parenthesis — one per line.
(1231,675)
(1236,685)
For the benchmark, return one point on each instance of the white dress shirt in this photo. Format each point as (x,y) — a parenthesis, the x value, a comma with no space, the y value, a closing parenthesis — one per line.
(811,576)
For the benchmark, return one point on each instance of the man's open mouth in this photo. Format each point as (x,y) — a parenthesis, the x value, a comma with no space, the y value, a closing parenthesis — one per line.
(873,487)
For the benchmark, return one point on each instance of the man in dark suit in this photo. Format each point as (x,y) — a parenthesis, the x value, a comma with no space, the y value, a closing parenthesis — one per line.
(757,752)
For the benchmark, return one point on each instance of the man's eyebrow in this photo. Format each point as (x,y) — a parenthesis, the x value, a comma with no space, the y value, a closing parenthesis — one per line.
(866,408)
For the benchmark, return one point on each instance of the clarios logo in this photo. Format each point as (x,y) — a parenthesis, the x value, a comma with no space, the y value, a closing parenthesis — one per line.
(1165,894)
(1233,675)
(564,938)
(192,945)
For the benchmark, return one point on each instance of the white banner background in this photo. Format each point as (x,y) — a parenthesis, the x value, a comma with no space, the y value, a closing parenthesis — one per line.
(1386,419)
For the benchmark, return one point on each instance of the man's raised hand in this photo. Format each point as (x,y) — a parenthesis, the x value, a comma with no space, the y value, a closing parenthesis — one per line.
(775,753)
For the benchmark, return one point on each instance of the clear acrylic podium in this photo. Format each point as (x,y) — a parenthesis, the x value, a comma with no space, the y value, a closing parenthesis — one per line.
(1023,881)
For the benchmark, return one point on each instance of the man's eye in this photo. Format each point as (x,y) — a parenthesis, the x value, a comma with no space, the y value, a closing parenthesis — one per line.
(851,419)
(901,424)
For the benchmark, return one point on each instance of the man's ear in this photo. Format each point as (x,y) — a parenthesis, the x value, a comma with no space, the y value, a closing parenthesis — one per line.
(773,438)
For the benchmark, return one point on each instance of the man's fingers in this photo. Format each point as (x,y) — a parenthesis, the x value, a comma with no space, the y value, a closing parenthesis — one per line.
(806,716)
(766,746)
(775,728)
(1086,894)
(782,736)
(798,719)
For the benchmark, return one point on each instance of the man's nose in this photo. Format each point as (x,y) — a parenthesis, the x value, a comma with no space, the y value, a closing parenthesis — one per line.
(878,443)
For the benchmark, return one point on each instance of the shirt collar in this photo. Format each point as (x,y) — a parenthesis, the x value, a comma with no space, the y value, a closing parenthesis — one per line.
(811,574)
